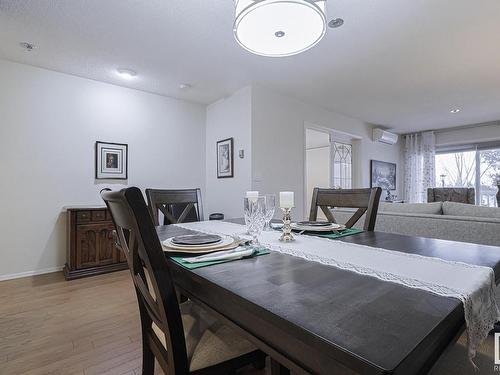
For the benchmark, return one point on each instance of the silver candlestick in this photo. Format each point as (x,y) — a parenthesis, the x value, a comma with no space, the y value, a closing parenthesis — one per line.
(287,236)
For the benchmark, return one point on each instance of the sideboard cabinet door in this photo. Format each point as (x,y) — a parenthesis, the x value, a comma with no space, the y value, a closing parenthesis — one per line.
(88,243)
(107,250)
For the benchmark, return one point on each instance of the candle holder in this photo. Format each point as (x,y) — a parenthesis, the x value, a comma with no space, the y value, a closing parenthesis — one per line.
(287,236)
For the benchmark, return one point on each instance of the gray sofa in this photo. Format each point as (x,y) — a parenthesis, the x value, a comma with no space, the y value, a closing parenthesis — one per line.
(444,220)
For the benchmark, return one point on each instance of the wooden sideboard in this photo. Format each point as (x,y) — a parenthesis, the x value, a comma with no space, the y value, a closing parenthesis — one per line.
(91,247)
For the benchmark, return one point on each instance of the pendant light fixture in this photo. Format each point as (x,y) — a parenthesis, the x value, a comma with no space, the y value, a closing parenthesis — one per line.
(279,28)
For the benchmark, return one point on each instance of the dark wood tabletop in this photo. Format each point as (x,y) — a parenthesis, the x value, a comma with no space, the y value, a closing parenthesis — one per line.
(319,319)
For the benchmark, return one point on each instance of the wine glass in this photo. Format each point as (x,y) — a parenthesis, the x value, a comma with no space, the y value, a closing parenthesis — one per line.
(270,203)
(255,210)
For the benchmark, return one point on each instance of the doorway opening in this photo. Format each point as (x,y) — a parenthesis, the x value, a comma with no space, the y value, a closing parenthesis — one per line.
(328,161)
(317,163)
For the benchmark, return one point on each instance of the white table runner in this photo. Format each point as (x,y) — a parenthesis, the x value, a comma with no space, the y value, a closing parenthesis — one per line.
(473,285)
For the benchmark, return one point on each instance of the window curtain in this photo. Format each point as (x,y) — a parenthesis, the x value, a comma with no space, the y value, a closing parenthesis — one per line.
(419,166)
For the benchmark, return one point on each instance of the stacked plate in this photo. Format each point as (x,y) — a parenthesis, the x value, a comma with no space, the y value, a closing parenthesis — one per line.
(317,226)
(198,243)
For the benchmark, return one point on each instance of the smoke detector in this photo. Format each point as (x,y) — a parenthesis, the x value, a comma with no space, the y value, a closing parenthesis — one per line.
(29,47)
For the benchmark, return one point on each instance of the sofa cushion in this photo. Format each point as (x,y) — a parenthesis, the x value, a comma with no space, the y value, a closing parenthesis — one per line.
(435,208)
(461,209)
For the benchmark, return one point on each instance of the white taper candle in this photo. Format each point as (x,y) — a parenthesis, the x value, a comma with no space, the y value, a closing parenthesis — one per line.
(286,199)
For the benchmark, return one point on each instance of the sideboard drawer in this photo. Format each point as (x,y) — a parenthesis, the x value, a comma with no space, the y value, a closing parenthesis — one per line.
(83,216)
(98,215)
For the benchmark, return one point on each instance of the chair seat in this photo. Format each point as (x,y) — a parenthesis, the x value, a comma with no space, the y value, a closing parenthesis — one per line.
(208,341)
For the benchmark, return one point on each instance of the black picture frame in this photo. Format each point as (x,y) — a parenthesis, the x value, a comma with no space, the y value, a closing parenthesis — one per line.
(116,155)
(225,158)
(383,174)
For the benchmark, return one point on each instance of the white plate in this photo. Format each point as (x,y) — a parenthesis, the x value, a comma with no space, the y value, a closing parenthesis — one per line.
(225,244)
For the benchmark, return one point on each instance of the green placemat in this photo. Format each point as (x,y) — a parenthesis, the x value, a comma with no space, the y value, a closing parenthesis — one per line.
(333,236)
(192,266)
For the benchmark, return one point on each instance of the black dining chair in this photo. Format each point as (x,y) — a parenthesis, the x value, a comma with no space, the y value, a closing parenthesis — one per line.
(365,200)
(184,339)
(177,206)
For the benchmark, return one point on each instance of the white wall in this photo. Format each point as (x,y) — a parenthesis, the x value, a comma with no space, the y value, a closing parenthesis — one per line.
(226,118)
(278,144)
(49,123)
(471,134)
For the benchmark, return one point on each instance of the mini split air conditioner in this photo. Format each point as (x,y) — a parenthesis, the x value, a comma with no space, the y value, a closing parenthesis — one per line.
(380,135)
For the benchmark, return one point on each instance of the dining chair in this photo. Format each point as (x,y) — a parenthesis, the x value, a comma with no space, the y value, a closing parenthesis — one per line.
(177,206)
(184,339)
(365,200)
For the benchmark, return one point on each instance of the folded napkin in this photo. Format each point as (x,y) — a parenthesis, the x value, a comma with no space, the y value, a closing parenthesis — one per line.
(239,252)
(332,236)
(191,266)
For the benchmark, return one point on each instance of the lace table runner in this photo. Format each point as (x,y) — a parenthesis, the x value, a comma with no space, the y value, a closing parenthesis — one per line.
(473,285)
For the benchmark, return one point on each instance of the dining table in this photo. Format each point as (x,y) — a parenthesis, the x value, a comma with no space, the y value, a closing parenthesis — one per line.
(312,318)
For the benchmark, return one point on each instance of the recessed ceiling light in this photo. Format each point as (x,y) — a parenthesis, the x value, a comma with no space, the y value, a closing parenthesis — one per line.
(185,86)
(456,110)
(278,28)
(337,22)
(28,46)
(126,73)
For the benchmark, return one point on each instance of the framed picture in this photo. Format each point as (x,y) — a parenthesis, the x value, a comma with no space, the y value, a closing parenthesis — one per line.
(111,161)
(383,175)
(225,158)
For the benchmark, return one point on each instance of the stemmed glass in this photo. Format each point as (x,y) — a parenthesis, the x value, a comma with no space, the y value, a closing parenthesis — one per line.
(255,211)
(270,203)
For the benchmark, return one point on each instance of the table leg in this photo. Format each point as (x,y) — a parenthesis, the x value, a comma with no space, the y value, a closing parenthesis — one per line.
(278,369)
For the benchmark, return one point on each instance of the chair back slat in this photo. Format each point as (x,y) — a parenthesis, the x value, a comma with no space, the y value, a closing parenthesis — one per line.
(355,218)
(153,283)
(365,200)
(177,206)
(353,198)
(328,214)
(149,301)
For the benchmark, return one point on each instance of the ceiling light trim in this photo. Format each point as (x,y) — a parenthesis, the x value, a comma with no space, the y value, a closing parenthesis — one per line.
(254,5)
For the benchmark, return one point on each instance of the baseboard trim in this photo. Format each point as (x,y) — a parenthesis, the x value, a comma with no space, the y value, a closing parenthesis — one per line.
(30,273)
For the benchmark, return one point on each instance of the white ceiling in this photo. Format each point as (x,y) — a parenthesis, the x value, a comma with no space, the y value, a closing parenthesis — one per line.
(403,64)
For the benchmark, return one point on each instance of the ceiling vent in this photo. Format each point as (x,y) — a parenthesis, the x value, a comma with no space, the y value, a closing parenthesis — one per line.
(380,135)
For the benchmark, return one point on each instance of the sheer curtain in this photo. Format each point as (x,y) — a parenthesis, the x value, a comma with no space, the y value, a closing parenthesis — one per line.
(419,166)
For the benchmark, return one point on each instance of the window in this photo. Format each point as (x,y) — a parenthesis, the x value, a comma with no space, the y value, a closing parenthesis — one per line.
(342,165)
(456,169)
(473,166)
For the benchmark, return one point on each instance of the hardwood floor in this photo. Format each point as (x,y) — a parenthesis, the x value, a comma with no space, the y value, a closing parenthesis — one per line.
(91,326)
(81,327)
